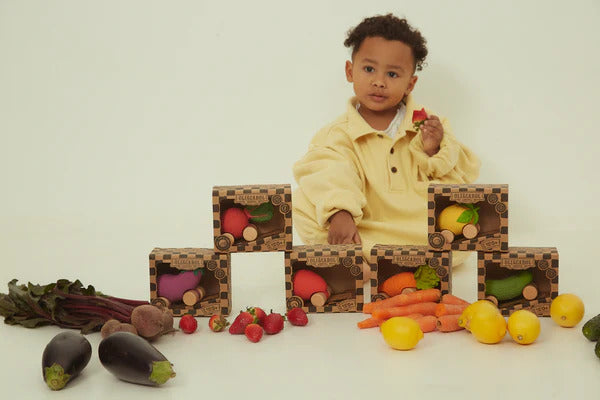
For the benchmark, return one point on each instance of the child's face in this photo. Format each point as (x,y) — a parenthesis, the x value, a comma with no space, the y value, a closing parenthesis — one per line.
(382,73)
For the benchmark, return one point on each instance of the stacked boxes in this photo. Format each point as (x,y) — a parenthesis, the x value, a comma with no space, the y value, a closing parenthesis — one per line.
(475,218)
(255,218)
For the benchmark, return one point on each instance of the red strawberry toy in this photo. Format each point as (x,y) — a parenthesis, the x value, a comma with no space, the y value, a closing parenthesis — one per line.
(253,332)
(297,316)
(273,323)
(216,323)
(188,324)
(259,315)
(241,322)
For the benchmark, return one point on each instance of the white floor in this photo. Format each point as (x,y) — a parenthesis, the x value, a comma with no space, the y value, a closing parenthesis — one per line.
(328,359)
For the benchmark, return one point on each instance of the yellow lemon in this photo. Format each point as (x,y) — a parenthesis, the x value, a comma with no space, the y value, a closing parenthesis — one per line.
(524,326)
(567,310)
(448,218)
(401,333)
(487,327)
(480,306)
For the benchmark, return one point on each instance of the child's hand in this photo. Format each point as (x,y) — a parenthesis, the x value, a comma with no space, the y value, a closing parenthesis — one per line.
(342,229)
(432,132)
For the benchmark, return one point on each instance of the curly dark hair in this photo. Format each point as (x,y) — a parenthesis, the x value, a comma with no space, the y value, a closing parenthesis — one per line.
(389,27)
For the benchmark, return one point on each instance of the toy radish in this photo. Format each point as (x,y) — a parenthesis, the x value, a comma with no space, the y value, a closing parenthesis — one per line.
(311,286)
(236,220)
(173,286)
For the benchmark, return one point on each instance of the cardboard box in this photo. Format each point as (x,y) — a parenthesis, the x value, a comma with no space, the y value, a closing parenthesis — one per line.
(272,235)
(491,231)
(215,281)
(341,268)
(388,260)
(541,261)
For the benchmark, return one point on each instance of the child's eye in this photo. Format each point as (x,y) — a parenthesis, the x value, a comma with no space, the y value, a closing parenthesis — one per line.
(369,69)
(392,74)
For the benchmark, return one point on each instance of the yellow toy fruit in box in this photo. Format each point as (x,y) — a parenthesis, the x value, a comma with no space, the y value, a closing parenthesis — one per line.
(488,327)
(480,306)
(524,326)
(401,333)
(567,310)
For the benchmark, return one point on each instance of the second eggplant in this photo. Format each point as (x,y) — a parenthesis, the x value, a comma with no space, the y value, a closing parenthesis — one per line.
(132,359)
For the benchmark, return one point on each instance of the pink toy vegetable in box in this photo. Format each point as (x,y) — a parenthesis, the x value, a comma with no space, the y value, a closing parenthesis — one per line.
(173,286)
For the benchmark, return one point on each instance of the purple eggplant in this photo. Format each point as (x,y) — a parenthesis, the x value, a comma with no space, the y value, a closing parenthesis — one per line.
(132,359)
(65,356)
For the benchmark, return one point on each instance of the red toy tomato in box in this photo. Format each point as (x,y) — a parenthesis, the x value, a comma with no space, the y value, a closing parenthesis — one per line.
(310,286)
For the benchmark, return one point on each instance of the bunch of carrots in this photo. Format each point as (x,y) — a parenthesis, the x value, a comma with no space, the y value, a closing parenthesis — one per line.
(427,307)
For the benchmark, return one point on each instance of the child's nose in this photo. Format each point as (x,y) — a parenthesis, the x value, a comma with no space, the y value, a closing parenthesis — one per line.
(378,82)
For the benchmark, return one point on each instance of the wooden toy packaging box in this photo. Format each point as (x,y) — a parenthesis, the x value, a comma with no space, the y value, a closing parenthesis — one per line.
(339,265)
(490,233)
(388,260)
(211,296)
(537,295)
(272,235)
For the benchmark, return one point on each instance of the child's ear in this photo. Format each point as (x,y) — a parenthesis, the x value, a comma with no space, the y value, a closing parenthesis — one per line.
(411,85)
(348,71)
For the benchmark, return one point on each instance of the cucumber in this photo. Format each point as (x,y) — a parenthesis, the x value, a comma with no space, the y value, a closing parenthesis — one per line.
(508,288)
(591,329)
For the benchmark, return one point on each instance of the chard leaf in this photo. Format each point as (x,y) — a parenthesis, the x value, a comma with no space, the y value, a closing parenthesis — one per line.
(261,213)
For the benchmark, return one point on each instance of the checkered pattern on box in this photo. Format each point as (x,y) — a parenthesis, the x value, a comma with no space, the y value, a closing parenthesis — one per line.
(440,261)
(218,264)
(280,195)
(546,259)
(349,255)
(493,194)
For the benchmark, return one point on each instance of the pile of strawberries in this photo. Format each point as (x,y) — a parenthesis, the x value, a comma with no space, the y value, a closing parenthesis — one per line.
(253,322)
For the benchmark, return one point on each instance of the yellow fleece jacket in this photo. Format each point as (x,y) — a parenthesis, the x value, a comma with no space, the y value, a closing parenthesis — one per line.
(381,181)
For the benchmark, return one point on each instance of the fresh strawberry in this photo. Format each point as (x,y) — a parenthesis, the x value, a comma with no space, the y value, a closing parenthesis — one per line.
(297,316)
(253,332)
(188,324)
(241,321)
(273,323)
(418,118)
(259,315)
(216,323)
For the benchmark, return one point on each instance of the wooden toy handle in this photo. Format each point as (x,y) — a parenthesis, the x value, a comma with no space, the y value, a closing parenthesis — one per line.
(530,292)
(448,235)
(250,233)
(470,231)
(193,296)
(320,298)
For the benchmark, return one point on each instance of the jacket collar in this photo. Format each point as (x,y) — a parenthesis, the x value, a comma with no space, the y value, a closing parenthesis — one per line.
(358,127)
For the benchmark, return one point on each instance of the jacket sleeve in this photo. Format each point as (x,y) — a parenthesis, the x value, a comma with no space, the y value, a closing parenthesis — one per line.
(330,177)
(453,163)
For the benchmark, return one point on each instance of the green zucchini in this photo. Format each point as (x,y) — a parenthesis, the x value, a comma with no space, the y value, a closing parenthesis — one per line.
(597,349)
(508,288)
(591,329)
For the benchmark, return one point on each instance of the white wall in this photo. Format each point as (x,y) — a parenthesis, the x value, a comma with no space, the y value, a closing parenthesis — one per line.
(126,113)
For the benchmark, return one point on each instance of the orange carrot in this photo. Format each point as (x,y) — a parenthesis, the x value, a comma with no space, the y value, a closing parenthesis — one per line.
(373,322)
(370,323)
(448,323)
(452,299)
(428,323)
(395,284)
(427,308)
(420,296)
(449,309)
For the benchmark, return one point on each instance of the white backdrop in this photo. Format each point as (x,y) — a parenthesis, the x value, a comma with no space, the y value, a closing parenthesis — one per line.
(118,117)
